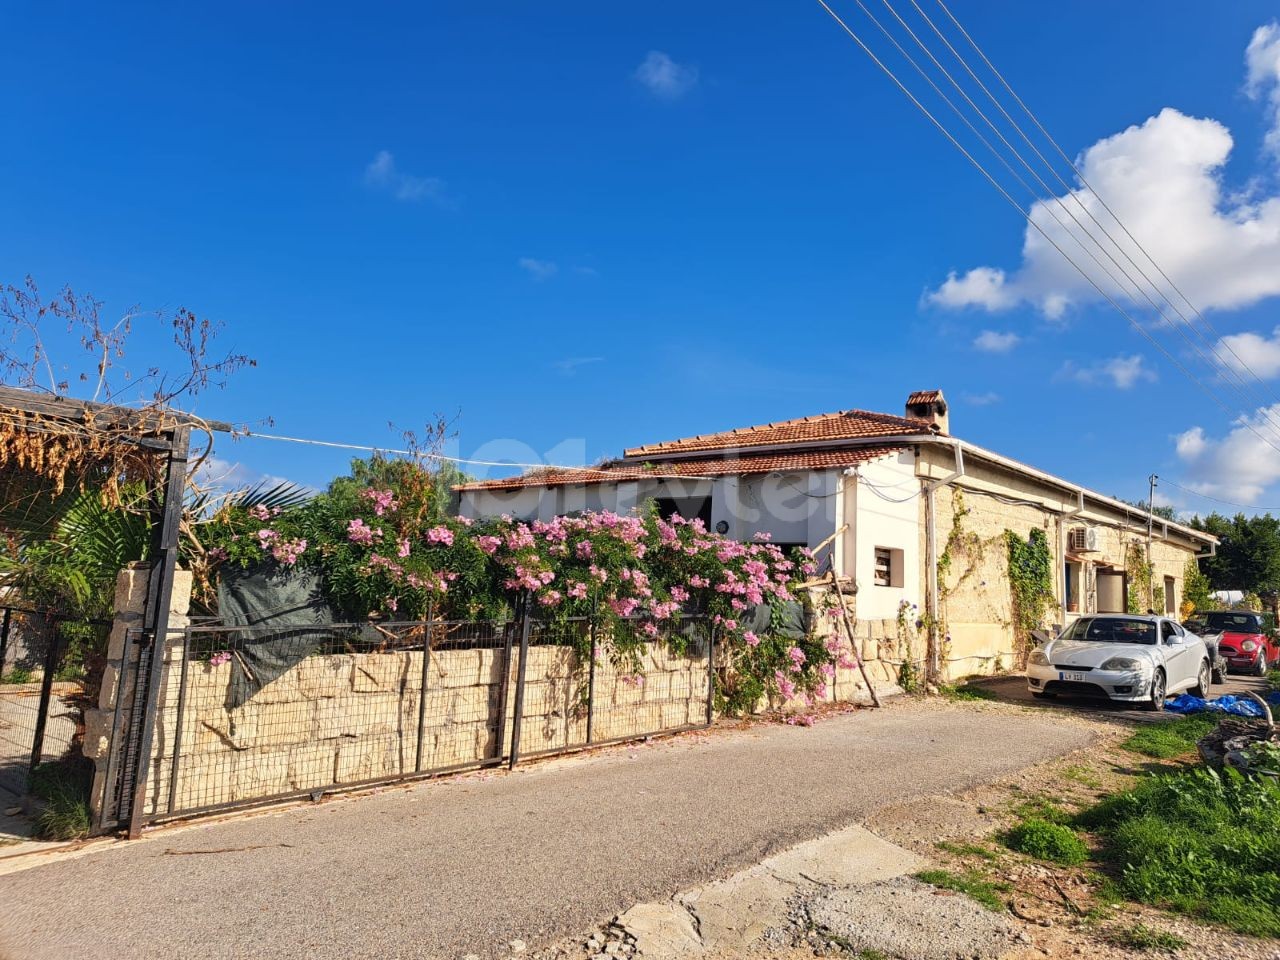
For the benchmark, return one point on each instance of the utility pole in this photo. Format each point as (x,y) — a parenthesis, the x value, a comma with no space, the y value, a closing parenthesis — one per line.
(1151,570)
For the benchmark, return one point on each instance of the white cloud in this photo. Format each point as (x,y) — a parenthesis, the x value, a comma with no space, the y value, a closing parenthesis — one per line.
(665,78)
(981,287)
(1238,467)
(1262,60)
(382,174)
(992,341)
(1122,372)
(225,475)
(1254,351)
(538,269)
(981,399)
(1163,179)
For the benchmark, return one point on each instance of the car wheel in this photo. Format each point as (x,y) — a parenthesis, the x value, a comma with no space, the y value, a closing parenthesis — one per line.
(1156,702)
(1260,670)
(1203,679)
(1041,695)
(1219,675)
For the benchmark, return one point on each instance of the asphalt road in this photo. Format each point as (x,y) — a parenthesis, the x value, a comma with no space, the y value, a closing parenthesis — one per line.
(448,868)
(1013,689)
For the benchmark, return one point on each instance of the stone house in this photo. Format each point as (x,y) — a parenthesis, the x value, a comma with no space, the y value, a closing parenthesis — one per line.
(918,518)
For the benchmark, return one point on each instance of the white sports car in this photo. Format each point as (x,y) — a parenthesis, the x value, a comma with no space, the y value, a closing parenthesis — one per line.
(1137,659)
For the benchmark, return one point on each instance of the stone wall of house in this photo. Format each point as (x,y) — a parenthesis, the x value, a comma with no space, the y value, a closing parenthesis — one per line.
(977,602)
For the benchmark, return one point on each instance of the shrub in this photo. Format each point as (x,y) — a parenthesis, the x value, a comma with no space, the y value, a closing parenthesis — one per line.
(18,675)
(1047,841)
(1200,843)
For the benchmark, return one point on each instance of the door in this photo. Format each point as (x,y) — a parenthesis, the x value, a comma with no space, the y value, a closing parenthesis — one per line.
(1181,662)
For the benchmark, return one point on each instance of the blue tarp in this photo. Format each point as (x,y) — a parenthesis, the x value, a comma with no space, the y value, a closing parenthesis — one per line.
(1237,706)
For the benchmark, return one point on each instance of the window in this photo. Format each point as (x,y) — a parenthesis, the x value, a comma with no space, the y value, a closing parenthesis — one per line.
(889,567)
(1170,597)
(688,507)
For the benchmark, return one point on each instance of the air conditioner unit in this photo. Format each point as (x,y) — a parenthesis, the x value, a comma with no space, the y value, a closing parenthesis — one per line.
(1083,540)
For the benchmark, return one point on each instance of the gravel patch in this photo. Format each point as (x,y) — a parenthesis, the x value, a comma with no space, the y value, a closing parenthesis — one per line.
(906,918)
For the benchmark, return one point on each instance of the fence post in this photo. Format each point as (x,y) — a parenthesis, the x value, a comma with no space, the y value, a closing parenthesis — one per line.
(504,691)
(591,672)
(711,673)
(517,714)
(46,695)
(4,638)
(422,690)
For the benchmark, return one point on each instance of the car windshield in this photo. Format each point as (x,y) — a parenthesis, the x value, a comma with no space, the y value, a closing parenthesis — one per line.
(1112,630)
(1234,622)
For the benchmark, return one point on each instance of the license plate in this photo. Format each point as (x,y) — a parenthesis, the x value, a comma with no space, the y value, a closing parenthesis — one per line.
(1079,677)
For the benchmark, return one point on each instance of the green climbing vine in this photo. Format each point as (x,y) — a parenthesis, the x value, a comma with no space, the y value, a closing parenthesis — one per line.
(1138,573)
(910,676)
(1031,585)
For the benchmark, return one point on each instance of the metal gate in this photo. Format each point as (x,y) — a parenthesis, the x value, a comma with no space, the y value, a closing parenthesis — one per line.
(43,682)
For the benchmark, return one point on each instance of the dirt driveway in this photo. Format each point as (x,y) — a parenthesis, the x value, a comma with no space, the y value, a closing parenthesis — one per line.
(454,867)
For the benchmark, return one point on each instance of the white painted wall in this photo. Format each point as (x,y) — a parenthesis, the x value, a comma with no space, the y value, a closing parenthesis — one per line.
(791,507)
(885,509)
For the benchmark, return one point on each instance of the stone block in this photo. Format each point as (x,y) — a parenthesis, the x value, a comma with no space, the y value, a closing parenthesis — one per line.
(312,765)
(258,775)
(455,668)
(454,744)
(367,715)
(379,672)
(369,759)
(97,732)
(131,588)
(111,686)
(324,676)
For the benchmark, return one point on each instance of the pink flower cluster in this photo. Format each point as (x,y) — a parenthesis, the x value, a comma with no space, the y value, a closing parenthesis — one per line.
(383,501)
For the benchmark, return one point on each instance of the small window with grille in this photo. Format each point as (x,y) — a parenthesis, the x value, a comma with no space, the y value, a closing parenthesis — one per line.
(888,571)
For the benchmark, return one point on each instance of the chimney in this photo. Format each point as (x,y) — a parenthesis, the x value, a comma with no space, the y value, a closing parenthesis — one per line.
(930,405)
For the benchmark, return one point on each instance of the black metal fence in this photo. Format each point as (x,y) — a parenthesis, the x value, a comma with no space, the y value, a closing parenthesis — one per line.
(43,683)
(251,714)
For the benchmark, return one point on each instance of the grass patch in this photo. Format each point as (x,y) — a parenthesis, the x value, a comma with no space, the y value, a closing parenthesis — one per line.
(964,691)
(1044,808)
(1199,843)
(1047,841)
(1142,937)
(1273,679)
(64,788)
(1083,776)
(1165,740)
(18,675)
(986,892)
(967,850)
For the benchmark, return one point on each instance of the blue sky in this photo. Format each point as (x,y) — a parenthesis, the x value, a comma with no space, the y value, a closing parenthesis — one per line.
(579,227)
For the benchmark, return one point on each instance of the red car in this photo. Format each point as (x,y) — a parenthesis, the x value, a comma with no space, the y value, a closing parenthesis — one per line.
(1248,641)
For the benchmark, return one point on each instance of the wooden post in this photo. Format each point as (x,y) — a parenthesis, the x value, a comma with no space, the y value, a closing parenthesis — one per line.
(853,643)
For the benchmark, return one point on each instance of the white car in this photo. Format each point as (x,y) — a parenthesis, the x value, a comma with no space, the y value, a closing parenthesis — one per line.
(1137,659)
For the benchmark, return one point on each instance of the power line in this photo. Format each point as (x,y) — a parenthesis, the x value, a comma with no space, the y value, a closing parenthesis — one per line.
(1088,186)
(1239,385)
(338,445)
(1141,291)
(1229,503)
(1014,203)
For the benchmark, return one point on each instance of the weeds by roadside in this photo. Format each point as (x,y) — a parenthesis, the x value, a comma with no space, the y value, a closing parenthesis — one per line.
(1141,937)
(64,788)
(1047,841)
(972,884)
(965,691)
(1173,738)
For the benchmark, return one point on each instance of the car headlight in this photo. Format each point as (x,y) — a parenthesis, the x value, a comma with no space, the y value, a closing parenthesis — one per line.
(1249,646)
(1039,658)
(1122,663)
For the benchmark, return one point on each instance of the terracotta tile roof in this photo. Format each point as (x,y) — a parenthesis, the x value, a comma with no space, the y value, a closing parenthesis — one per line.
(842,425)
(720,466)
(924,396)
